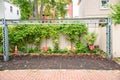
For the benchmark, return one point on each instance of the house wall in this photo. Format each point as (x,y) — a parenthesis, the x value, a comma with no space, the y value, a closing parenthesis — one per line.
(13,14)
(5,11)
(70,10)
(75,9)
(81,9)
(1,9)
(93,8)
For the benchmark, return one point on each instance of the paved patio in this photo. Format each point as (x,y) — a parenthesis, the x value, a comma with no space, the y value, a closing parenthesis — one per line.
(60,74)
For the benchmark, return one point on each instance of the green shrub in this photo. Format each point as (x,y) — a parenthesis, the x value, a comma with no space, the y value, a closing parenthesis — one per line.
(90,38)
(32,50)
(80,46)
(1,49)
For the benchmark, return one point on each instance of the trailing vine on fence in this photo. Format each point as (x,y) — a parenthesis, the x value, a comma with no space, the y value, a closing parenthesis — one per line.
(21,35)
(74,32)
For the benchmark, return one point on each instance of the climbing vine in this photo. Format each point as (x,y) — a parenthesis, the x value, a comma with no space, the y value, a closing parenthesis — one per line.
(74,32)
(21,35)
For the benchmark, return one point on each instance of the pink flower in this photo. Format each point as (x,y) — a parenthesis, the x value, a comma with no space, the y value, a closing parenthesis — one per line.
(45,48)
(91,47)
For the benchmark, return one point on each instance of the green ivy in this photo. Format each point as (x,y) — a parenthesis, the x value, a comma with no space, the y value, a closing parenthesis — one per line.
(80,46)
(22,35)
(74,32)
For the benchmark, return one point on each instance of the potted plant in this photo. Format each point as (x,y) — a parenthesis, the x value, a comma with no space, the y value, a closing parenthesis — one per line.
(90,39)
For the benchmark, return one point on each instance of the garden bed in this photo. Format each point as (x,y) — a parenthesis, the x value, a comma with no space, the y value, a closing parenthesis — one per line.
(58,61)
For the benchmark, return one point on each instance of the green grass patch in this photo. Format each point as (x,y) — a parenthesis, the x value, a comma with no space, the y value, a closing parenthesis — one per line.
(117,59)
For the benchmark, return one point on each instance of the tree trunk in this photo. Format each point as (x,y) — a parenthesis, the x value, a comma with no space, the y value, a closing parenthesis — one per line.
(41,9)
(31,5)
(36,9)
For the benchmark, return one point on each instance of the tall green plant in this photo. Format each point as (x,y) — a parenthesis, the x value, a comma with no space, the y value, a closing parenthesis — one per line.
(46,32)
(90,38)
(81,30)
(73,32)
(38,35)
(55,36)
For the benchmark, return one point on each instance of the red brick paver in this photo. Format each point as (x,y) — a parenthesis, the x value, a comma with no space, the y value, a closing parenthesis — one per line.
(60,75)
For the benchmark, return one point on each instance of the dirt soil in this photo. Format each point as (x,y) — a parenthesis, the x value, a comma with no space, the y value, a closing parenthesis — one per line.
(82,61)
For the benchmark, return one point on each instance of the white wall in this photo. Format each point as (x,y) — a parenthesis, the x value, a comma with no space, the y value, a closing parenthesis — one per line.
(75,9)
(116,40)
(102,38)
(81,10)
(5,11)
(1,9)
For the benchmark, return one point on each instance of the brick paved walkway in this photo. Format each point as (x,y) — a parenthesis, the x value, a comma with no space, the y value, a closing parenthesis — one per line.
(60,75)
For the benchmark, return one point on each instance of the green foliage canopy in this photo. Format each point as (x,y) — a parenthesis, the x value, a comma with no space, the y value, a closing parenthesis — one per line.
(52,8)
(24,7)
(116,13)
